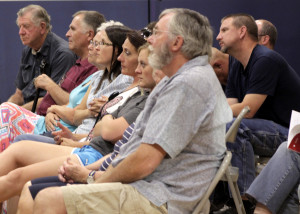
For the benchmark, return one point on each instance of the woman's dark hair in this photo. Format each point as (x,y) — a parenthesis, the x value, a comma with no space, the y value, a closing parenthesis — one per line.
(136,39)
(117,35)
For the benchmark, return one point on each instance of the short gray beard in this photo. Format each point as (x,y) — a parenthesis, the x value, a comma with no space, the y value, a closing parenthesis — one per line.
(160,59)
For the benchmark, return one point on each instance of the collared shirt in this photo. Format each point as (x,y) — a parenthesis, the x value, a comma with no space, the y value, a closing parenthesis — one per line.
(185,115)
(75,76)
(58,57)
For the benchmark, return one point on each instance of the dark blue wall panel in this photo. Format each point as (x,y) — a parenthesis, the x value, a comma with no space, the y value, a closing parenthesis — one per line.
(131,13)
(134,13)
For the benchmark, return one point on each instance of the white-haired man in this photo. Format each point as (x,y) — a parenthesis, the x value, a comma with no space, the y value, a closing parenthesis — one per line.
(43,47)
(178,141)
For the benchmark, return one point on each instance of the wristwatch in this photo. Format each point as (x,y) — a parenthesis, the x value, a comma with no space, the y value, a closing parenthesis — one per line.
(90,179)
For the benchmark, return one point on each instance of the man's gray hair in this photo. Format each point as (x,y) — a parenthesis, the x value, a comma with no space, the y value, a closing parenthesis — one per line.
(195,30)
(38,15)
(91,19)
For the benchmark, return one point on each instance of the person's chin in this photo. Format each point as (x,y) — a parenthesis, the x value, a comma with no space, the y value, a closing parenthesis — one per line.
(24,42)
(224,49)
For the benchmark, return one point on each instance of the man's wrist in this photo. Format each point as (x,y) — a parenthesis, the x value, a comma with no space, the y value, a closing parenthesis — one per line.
(51,86)
(91,177)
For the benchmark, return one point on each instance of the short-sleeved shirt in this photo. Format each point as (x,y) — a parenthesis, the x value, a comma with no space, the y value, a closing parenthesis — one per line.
(58,57)
(74,77)
(185,115)
(268,73)
(119,84)
(129,110)
(75,98)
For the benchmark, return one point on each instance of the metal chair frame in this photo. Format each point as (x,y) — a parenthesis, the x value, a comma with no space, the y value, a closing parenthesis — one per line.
(226,172)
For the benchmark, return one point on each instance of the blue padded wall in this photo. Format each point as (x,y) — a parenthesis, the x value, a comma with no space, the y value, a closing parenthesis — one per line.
(136,13)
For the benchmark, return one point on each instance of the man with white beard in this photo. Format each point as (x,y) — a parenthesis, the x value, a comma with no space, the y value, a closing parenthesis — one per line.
(179,138)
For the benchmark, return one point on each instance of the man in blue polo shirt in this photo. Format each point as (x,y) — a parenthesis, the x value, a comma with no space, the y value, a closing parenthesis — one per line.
(263,80)
(42,47)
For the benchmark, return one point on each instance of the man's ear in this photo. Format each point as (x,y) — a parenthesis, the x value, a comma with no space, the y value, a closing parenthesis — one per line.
(91,35)
(177,43)
(243,31)
(265,39)
(43,28)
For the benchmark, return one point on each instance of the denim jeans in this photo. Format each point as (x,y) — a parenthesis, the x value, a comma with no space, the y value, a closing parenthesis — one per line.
(254,137)
(276,186)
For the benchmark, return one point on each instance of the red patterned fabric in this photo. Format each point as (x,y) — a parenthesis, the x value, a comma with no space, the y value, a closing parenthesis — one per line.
(14,121)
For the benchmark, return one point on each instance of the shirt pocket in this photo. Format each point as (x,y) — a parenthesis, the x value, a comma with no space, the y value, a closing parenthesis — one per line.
(27,73)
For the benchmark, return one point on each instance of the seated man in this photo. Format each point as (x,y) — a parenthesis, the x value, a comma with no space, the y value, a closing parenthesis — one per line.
(28,122)
(41,45)
(81,31)
(267,33)
(178,141)
(261,79)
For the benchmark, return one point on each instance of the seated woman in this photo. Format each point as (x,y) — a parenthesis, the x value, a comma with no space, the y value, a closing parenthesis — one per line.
(78,173)
(275,189)
(20,121)
(18,164)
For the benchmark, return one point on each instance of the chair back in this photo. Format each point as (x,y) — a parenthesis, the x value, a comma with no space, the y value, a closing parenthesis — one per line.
(225,171)
(232,131)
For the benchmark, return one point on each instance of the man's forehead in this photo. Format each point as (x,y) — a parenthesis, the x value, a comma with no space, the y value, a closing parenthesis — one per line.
(76,21)
(25,17)
(163,21)
(227,21)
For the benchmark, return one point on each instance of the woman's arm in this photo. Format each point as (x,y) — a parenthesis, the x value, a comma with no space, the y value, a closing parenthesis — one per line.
(81,112)
(110,129)
(63,112)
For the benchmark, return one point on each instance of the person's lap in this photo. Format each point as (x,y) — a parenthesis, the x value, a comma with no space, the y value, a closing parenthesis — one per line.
(276,186)
(26,153)
(33,137)
(41,183)
(107,197)
(254,137)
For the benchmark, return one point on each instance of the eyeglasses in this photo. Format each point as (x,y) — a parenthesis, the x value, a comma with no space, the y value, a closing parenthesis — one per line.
(146,32)
(95,43)
(156,31)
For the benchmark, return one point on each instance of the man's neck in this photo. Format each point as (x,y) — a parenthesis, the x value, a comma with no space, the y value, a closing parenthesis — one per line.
(83,55)
(177,62)
(40,43)
(244,52)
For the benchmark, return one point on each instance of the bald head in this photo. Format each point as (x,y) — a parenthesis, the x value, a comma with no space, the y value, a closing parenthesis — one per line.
(220,63)
(267,33)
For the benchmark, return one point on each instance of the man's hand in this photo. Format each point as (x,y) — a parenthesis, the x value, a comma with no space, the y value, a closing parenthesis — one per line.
(43,81)
(72,172)
(96,104)
(51,120)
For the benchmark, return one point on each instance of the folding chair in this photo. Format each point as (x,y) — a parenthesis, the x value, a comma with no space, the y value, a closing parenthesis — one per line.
(226,172)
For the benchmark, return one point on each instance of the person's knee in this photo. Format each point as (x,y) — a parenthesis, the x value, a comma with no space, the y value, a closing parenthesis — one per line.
(49,199)
(15,178)
(25,199)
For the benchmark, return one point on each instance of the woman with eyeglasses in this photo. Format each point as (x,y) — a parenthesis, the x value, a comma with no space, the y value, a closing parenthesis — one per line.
(102,83)
(27,160)
(148,78)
